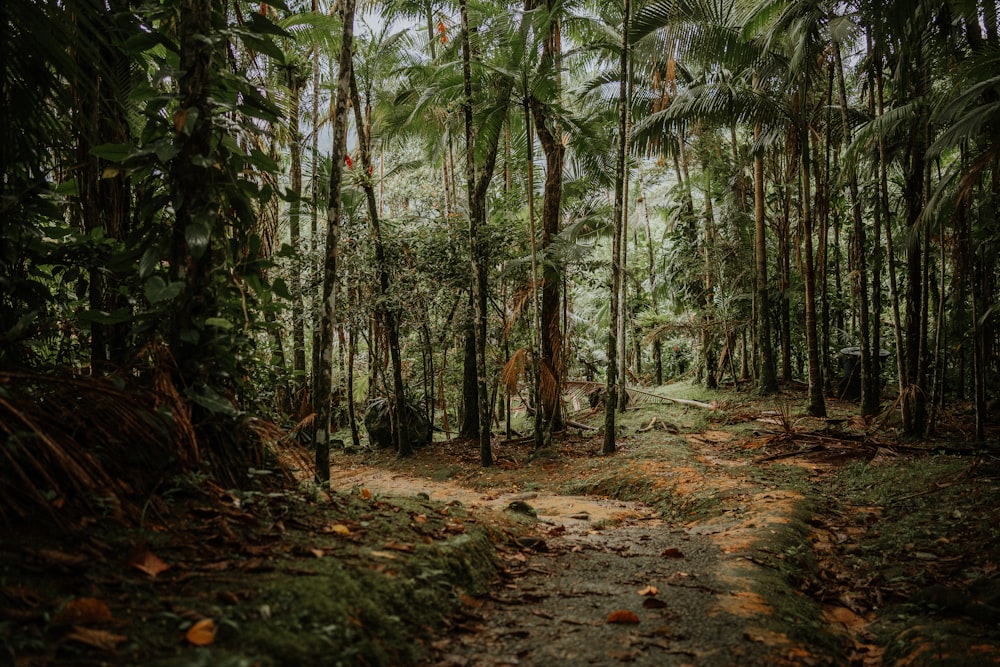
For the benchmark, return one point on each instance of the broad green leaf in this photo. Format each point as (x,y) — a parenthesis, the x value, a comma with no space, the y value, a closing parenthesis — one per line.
(158,290)
(197,235)
(281,289)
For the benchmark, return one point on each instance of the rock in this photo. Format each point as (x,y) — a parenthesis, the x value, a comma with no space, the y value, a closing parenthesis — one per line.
(522,507)
(379,424)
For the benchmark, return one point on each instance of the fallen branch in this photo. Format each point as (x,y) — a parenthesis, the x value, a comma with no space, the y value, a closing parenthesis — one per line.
(649,427)
(693,404)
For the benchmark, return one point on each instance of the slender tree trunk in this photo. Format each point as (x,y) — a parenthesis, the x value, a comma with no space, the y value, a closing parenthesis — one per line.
(295,84)
(817,404)
(869,385)
(767,379)
(387,312)
(323,375)
(533,284)
(612,390)
(477,188)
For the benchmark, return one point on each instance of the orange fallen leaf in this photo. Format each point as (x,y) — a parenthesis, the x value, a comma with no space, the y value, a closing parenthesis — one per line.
(84,611)
(99,639)
(201,633)
(399,546)
(366,494)
(340,529)
(148,562)
(649,590)
(622,616)
(419,518)
(672,552)
(317,552)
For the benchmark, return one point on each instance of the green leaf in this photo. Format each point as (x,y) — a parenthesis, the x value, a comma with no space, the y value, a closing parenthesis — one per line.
(262,160)
(117,317)
(219,323)
(261,45)
(158,290)
(280,288)
(167,150)
(263,25)
(209,399)
(112,152)
(197,235)
(149,261)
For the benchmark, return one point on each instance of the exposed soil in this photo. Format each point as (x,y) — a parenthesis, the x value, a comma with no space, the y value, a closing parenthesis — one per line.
(742,535)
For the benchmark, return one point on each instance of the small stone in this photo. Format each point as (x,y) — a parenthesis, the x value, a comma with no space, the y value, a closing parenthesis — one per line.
(522,507)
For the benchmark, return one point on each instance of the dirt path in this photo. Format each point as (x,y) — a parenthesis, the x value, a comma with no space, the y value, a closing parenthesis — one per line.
(607,582)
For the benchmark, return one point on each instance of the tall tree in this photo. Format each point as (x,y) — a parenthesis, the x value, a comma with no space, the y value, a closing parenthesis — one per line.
(323,375)
(611,394)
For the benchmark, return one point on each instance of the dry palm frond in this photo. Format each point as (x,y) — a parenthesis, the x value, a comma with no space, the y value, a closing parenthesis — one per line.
(513,369)
(520,299)
(548,387)
(71,442)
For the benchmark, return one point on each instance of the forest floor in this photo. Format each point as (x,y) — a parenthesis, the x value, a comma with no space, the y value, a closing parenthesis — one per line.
(745,534)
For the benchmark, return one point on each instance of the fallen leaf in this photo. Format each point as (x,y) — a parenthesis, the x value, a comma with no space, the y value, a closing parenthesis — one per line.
(340,529)
(201,633)
(366,494)
(61,558)
(383,554)
(649,590)
(145,560)
(622,616)
(399,546)
(454,526)
(420,518)
(653,603)
(84,611)
(672,552)
(99,639)
(317,552)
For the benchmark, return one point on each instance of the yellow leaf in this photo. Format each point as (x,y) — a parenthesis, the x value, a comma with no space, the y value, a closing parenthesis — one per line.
(649,590)
(340,529)
(110,172)
(201,633)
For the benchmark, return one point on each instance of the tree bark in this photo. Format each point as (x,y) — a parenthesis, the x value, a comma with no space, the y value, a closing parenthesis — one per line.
(612,389)
(323,375)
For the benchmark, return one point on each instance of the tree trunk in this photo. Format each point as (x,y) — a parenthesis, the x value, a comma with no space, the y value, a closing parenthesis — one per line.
(477,189)
(612,390)
(767,379)
(384,307)
(194,201)
(295,84)
(869,385)
(817,404)
(323,375)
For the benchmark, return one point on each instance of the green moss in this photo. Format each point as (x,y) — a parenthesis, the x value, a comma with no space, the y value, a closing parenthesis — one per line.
(349,615)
